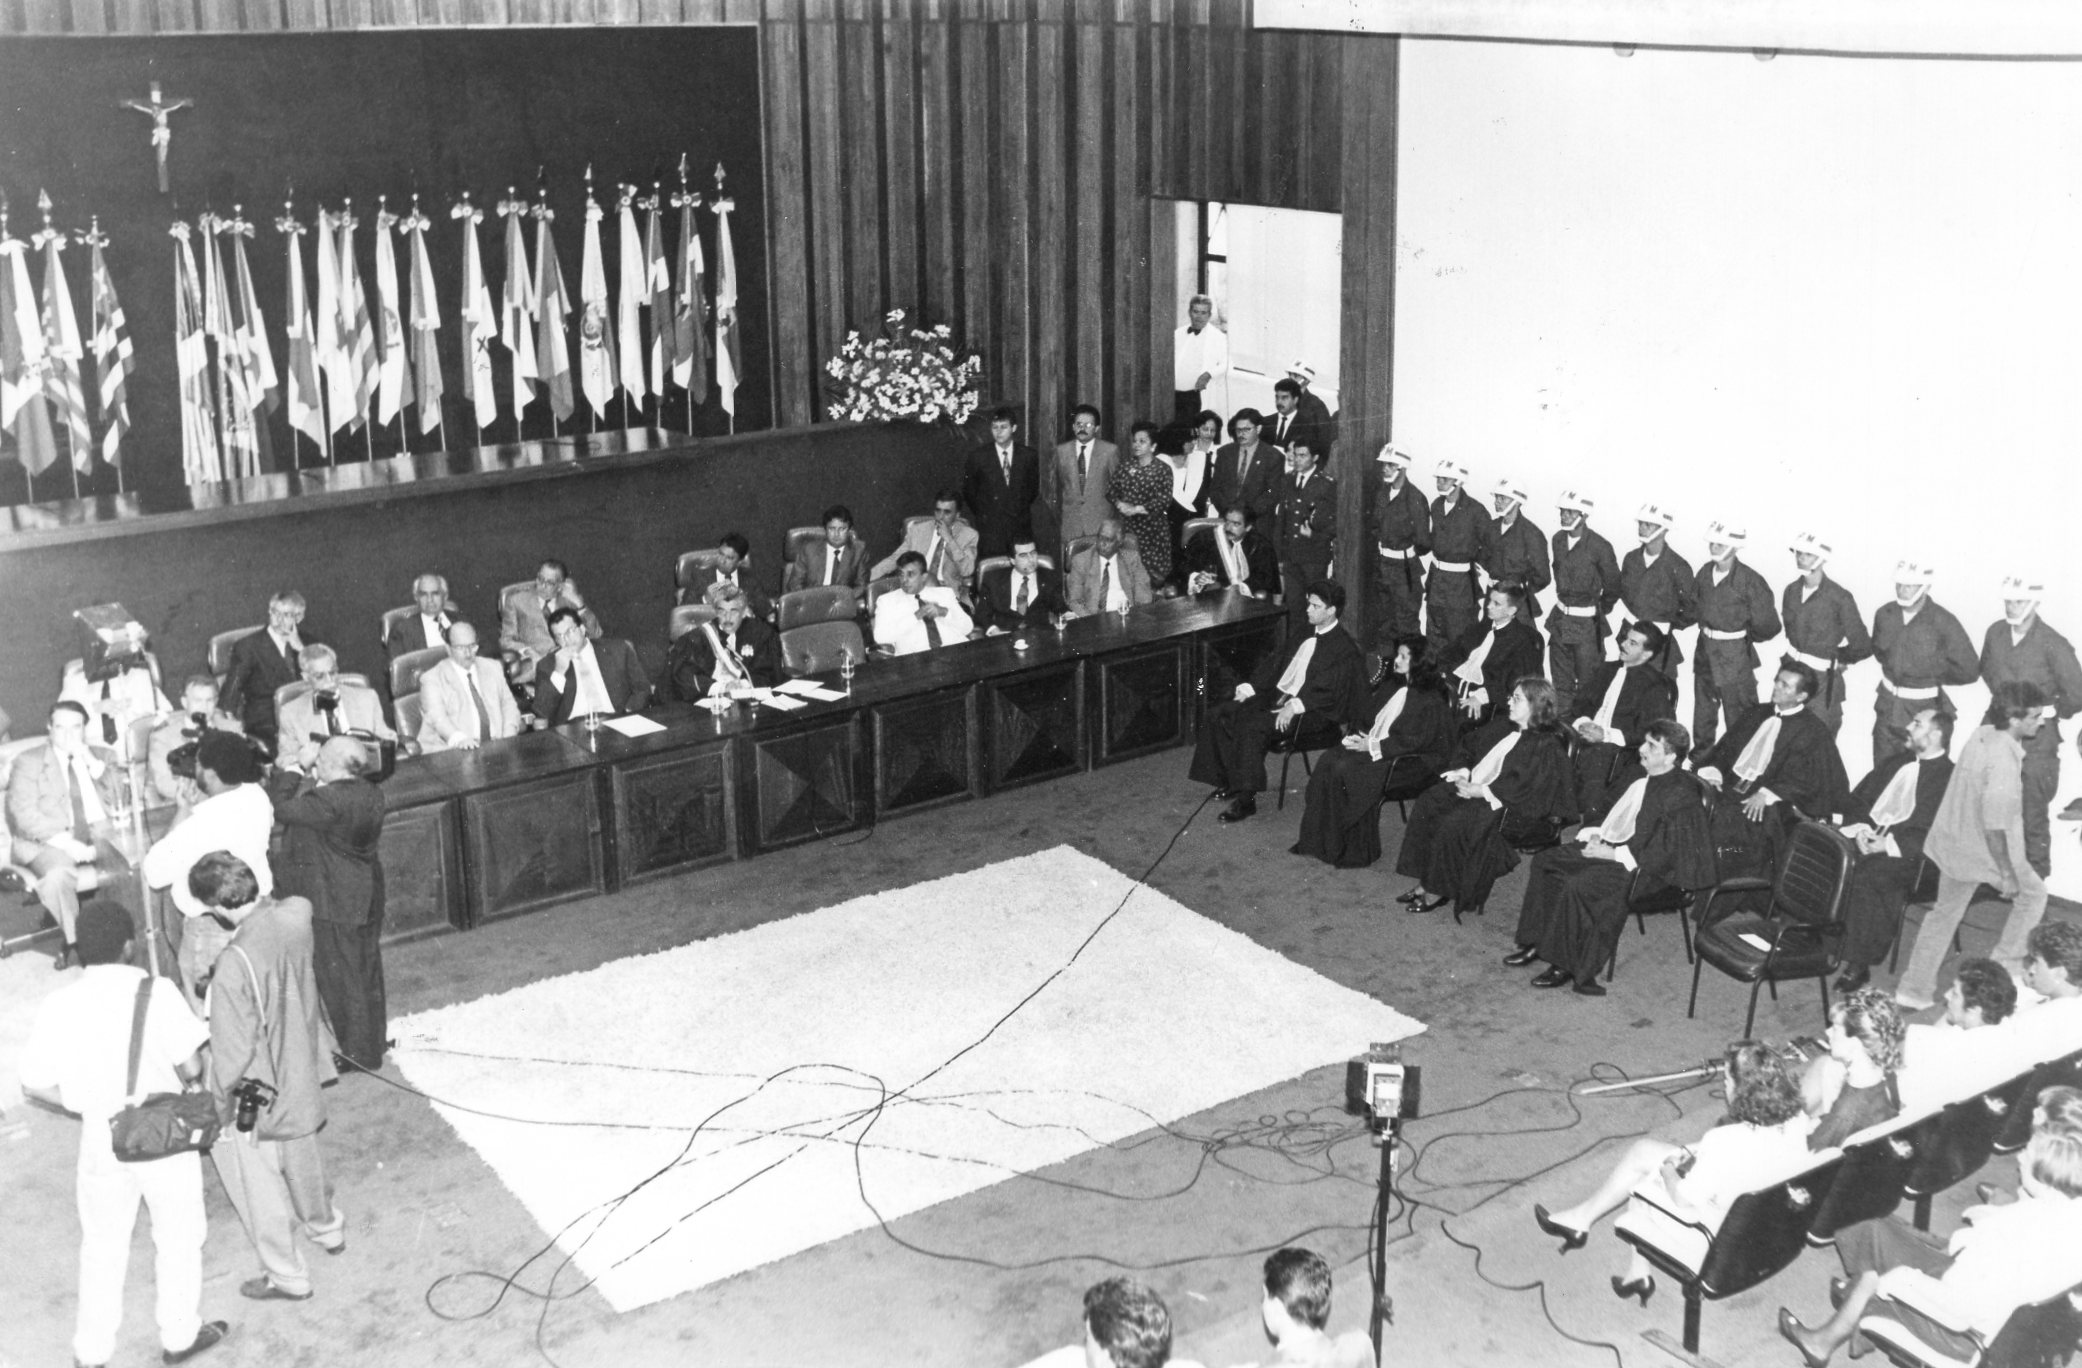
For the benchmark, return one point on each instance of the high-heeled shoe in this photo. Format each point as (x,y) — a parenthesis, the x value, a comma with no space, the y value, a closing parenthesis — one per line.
(1622,1289)
(1789,1326)
(1570,1239)
(1839,1293)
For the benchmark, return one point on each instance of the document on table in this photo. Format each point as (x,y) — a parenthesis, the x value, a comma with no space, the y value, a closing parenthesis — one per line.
(808,688)
(819,692)
(635,724)
(774,698)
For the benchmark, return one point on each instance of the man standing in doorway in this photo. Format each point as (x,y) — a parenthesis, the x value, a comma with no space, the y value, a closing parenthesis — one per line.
(1199,361)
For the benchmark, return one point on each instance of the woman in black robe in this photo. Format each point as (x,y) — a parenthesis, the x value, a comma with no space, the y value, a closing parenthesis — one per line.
(1515,789)
(1412,720)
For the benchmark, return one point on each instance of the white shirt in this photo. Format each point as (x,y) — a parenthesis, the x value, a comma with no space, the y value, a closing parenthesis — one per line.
(1116,593)
(1192,353)
(588,690)
(80,1043)
(123,698)
(1188,472)
(730,666)
(898,626)
(81,771)
(434,633)
(1296,672)
(1942,1064)
(1610,705)
(238,820)
(831,564)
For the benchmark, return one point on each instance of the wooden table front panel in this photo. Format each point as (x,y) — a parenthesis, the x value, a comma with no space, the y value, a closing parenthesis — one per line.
(422,872)
(1142,703)
(1035,726)
(674,812)
(926,752)
(805,785)
(534,844)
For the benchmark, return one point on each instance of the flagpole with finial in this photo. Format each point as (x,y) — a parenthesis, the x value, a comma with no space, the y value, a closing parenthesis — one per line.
(686,201)
(97,241)
(347,224)
(291,230)
(652,207)
(53,240)
(544,215)
(720,206)
(592,216)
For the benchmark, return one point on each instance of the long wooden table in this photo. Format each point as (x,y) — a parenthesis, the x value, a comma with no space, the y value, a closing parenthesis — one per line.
(560,814)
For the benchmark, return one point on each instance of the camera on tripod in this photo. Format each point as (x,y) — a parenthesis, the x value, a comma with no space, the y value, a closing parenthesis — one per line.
(253,1097)
(1379,1086)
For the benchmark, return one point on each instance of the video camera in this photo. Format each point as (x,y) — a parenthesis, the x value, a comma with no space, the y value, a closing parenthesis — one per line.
(1379,1086)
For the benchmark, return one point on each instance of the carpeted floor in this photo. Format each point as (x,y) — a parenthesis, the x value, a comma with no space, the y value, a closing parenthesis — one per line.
(994,1278)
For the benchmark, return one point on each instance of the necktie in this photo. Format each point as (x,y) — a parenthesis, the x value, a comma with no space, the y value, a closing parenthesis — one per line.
(288,654)
(1105,584)
(484,719)
(932,558)
(730,658)
(1282,438)
(831,563)
(1005,462)
(932,633)
(108,716)
(1243,466)
(1020,600)
(332,718)
(1084,454)
(74,782)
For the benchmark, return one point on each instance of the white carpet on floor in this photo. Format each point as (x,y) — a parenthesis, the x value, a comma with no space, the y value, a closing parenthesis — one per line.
(1164,1014)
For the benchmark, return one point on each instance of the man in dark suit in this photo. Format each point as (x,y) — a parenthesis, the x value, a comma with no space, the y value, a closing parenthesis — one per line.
(1080,476)
(1778,763)
(1022,594)
(1246,472)
(1312,409)
(333,824)
(582,676)
(840,559)
(1888,815)
(1308,523)
(1000,483)
(262,663)
(1654,839)
(736,651)
(1612,712)
(1287,424)
(427,629)
(1318,683)
(732,566)
(1232,556)
(1489,659)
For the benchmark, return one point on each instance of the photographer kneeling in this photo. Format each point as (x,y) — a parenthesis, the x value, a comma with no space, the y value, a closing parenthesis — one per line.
(266,1029)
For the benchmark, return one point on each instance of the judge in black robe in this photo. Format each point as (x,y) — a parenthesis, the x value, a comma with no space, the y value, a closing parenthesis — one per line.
(1229,751)
(1802,777)
(1606,763)
(1577,894)
(1513,652)
(1206,570)
(1341,823)
(1462,834)
(1890,855)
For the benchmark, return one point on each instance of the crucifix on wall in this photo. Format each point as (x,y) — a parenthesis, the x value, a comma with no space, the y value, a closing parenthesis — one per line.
(162,131)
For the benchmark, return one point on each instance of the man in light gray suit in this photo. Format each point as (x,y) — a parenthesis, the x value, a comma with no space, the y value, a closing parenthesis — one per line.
(454,719)
(1078,478)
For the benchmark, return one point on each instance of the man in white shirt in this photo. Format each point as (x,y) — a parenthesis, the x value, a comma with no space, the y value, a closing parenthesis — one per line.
(1949,1060)
(427,628)
(231,813)
(583,677)
(2051,1026)
(918,615)
(464,700)
(77,1060)
(1199,361)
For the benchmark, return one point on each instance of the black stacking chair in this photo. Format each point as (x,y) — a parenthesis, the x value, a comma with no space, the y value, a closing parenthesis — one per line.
(1798,934)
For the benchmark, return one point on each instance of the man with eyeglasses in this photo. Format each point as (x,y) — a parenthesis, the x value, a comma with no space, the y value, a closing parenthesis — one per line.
(332,707)
(263,662)
(464,699)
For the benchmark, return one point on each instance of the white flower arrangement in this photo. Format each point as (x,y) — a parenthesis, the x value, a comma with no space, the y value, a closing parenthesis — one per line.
(902,376)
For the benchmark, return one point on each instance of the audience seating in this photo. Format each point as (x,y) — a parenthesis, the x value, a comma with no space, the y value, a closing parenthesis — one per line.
(685,618)
(1079,544)
(817,647)
(796,539)
(411,711)
(1678,900)
(990,563)
(1762,1234)
(1405,780)
(1869,1186)
(2041,1333)
(406,670)
(393,616)
(690,564)
(1193,527)
(1801,929)
(2016,1128)
(828,603)
(220,649)
(1310,735)
(1960,1142)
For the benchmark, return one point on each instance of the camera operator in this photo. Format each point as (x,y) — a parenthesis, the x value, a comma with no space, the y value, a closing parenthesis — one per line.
(266,1029)
(232,813)
(183,729)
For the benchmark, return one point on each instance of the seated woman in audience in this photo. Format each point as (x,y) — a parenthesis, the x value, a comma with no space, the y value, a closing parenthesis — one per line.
(1852,1086)
(1760,1141)
(2003,1258)
(1413,718)
(1141,490)
(1513,788)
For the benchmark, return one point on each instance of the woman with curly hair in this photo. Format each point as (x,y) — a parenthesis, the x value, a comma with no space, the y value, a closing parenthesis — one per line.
(1513,788)
(1852,1086)
(1762,1139)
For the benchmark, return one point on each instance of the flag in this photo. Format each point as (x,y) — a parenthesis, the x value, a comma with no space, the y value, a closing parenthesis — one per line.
(63,353)
(357,336)
(235,402)
(113,361)
(727,359)
(261,379)
(326,338)
(634,291)
(657,273)
(426,323)
(517,306)
(596,347)
(552,319)
(476,319)
(391,374)
(690,319)
(200,463)
(305,414)
(22,363)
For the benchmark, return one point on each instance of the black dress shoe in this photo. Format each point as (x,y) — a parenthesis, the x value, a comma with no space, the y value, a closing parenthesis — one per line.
(1590,987)
(1414,895)
(1522,956)
(1789,1325)
(1428,904)
(205,1338)
(1553,978)
(1853,978)
(1244,807)
(1227,795)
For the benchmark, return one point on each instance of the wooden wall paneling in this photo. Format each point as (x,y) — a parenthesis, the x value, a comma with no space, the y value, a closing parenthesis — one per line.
(900,101)
(1013,248)
(265,16)
(1158,277)
(826,218)
(1090,187)
(1321,186)
(44,16)
(175,16)
(455,14)
(936,132)
(485,12)
(1367,333)
(797,365)
(89,16)
(130,16)
(1197,104)
(405,13)
(740,11)
(216,16)
(358,14)
(1229,51)
(1048,298)
(974,193)
(1161,270)
(861,111)
(1128,242)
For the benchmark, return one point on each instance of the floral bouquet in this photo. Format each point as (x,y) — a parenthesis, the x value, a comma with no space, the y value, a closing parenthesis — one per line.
(910,376)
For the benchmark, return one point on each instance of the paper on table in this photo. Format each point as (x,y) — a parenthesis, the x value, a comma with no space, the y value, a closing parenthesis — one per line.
(820,693)
(798,686)
(635,724)
(782,701)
